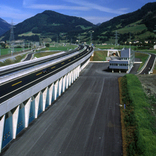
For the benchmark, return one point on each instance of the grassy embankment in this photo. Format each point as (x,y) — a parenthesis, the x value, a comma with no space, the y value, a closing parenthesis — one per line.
(12,61)
(7,51)
(99,56)
(55,49)
(138,122)
(114,47)
(143,57)
(18,58)
(61,47)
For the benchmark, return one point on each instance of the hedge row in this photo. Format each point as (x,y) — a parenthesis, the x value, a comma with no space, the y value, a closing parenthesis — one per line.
(139,122)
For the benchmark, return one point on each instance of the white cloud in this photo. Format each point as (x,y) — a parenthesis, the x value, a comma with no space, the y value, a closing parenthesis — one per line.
(28,2)
(56,7)
(15,14)
(96,7)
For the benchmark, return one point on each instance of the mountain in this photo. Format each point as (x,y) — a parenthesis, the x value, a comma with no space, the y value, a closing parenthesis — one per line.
(139,25)
(4,26)
(98,24)
(48,23)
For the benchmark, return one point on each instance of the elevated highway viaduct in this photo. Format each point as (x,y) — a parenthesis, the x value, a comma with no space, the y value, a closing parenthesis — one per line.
(27,89)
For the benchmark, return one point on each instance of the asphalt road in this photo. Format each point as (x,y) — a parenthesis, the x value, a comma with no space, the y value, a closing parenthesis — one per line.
(28,57)
(149,65)
(84,121)
(135,66)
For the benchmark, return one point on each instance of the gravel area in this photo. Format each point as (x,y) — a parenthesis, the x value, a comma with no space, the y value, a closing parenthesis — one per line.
(148,83)
(149,86)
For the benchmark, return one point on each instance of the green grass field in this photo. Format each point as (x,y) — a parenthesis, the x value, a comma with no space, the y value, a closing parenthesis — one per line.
(99,56)
(42,54)
(143,58)
(56,49)
(7,51)
(148,51)
(139,120)
(133,29)
(113,46)
(60,47)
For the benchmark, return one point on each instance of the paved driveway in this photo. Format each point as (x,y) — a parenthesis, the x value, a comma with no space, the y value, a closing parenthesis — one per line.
(84,121)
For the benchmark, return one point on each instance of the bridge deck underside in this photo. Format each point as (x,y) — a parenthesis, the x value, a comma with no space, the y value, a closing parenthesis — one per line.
(84,121)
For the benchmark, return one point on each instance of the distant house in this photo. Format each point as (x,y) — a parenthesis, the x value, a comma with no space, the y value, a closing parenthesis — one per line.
(123,63)
(154,46)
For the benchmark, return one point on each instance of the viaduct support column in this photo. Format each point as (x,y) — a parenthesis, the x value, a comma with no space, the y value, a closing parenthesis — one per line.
(44,98)
(37,100)
(1,130)
(15,120)
(27,111)
(51,93)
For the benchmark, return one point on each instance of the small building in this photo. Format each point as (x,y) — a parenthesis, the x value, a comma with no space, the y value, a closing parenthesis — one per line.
(154,47)
(124,62)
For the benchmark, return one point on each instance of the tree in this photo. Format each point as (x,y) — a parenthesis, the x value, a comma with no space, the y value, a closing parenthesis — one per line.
(47,45)
(3,45)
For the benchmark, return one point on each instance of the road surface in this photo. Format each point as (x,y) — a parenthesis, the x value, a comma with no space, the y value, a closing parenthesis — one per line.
(149,65)
(29,56)
(84,121)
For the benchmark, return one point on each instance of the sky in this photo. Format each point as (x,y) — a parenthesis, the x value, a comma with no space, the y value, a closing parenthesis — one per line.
(95,11)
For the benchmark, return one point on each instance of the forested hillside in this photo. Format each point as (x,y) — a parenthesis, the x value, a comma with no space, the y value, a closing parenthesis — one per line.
(48,24)
(4,26)
(140,24)
(135,27)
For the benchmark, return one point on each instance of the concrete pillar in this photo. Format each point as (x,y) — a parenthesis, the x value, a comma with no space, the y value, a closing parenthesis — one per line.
(74,72)
(44,98)
(50,93)
(67,81)
(60,86)
(82,67)
(37,101)
(72,78)
(79,70)
(55,88)
(27,111)
(64,83)
(2,120)
(15,121)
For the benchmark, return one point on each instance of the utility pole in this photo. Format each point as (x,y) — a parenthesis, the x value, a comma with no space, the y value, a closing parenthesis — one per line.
(23,45)
(11,40)
(116,38)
